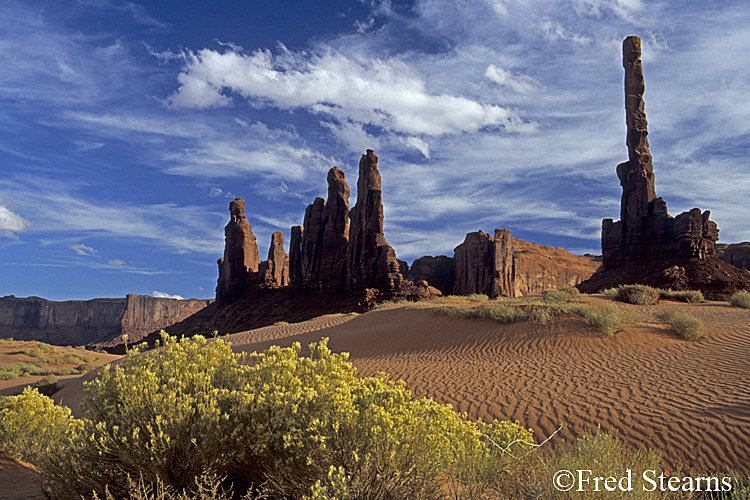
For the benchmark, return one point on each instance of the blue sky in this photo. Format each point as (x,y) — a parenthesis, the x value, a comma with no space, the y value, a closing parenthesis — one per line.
(126,127)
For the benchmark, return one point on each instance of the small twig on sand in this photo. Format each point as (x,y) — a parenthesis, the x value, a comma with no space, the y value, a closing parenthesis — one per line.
(534,446)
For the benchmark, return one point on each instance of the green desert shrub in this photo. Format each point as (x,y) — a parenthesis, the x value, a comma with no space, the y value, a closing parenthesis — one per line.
(478,297)
(502,313)
(292,425)
(689,296)
(607,317)
(638,294)
(683,323)
(602,453)
(741,299)
(32,426)
(560,295)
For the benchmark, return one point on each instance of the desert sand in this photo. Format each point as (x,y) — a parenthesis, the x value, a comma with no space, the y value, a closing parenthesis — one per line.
(689,400)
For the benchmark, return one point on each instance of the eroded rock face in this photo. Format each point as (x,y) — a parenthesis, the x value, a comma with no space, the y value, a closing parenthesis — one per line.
(500,265)
(436,271)
(274,272)
(645,228)
(737,254)
(474,261)
(539,268)
(372,261)
(238,269)
(78,322)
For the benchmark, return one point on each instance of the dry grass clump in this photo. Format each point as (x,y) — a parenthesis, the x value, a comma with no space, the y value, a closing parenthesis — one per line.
(646,295)
(560,295)
(684,324)
(689,296)
(48,360)
(641,295)
(741,299)
(607,318)
(478,297)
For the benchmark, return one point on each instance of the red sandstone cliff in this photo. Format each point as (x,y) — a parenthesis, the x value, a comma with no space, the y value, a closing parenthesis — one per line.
(102,321)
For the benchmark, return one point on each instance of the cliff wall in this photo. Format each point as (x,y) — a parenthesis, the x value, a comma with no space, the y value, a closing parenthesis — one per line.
(81,322)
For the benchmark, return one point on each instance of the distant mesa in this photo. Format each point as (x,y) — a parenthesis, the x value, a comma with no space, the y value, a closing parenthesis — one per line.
(647,245)
(97,323)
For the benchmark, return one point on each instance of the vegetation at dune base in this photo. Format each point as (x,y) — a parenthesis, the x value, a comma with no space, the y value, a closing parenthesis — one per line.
(645,295)
(683,323)
(193,421)
(740,299)
(192,415)
(607,318)
(46,360)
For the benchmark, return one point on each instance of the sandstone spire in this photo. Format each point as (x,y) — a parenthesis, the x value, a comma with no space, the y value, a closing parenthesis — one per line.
(240,263)
(637,174)
(645,228)
(372,262)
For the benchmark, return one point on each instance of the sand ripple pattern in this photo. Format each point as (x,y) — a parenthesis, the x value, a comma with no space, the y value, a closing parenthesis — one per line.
(691,400)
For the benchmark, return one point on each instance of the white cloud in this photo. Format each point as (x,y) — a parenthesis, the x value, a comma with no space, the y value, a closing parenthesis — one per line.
(519,83)
(163,295)
(554,31)
(11,223)
(82,249)
(352,136)
(386,93)
(597,8)
(418,144)
(116,262)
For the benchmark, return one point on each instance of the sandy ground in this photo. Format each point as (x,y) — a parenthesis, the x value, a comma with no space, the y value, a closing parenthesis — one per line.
(689,400)
(19,481)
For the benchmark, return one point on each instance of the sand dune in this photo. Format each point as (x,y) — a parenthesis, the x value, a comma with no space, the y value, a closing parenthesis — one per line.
(689,400)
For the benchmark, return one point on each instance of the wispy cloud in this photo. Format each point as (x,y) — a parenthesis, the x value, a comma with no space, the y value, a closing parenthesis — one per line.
(386,93)
(11,223)
(164,295)
(82,249)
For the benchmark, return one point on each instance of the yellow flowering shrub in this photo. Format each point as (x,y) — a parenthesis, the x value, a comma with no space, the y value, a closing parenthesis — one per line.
(293,426)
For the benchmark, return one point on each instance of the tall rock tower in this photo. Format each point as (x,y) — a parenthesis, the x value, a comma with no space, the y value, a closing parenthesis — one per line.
(239,266)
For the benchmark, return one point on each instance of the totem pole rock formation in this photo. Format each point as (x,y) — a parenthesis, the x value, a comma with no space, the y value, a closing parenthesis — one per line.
(274,272)
(318,251)
(372,261)
(645,228)
(647,245)
(239,266)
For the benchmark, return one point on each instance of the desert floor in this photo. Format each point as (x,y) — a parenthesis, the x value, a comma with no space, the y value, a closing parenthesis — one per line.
(689,400)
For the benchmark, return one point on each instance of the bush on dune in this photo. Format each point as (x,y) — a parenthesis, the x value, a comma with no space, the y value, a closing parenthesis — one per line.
(683,323)
(741,299)
(293,426)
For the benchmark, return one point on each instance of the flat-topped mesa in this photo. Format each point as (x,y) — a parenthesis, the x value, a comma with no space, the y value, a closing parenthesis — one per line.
(645,228)
(239,266)
(372,261)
